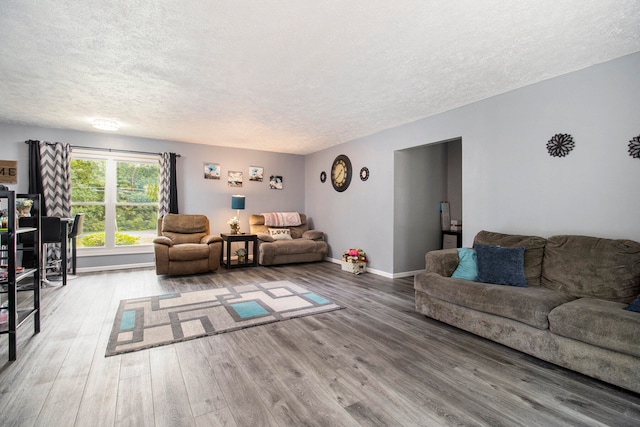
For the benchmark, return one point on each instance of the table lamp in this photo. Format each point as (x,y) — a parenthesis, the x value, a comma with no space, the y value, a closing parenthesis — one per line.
(237,202)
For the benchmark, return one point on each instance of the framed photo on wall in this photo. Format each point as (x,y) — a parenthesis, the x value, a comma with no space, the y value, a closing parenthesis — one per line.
(234,178)
(9,171)
(275,182)
(256,173)
(211,171)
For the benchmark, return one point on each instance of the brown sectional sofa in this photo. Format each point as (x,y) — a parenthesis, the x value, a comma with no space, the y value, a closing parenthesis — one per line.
(305,245)
(570,313)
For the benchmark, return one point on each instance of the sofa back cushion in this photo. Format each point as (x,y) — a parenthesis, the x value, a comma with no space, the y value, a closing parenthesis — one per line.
(534,250)
(256,226)
(184,228)
(585,266)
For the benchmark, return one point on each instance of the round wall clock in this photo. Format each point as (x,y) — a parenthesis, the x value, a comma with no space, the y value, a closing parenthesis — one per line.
(323,176)
(341,173)
(364,173)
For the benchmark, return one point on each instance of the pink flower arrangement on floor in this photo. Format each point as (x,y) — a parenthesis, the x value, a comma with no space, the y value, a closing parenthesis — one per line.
(354,255)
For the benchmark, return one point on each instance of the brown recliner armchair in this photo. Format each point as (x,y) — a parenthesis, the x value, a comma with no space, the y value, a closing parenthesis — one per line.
(184,246)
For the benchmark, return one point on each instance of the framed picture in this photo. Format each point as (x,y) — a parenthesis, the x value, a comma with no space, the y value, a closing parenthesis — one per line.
(275,182)
(211,171)
(234,179)
(256,173)
(9,171)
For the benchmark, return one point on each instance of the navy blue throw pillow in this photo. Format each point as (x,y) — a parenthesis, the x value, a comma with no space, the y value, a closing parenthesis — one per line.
(500,265)
(635,305)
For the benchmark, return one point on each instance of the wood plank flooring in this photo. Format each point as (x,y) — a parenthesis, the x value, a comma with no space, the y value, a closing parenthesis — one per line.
(375,363)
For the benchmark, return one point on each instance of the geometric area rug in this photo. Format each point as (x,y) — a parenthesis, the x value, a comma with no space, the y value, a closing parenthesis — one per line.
(164,319)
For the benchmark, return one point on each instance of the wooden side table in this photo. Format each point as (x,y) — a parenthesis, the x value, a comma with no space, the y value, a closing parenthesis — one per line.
(250,260)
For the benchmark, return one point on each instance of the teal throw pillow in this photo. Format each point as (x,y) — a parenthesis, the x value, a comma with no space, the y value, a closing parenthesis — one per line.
(468,265)
(635,305)
(501,265)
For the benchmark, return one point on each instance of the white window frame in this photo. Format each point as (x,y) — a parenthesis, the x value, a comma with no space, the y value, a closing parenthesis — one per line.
(111,159)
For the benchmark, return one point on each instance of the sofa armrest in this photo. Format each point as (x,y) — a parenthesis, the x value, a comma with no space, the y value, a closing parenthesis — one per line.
(442,262)
(210,239)
(313,235)
(163,240)
(264,237)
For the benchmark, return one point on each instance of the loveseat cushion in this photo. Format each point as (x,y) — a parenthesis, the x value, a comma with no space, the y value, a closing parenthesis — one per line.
(592,267)
(290,251)
(313,235)
(527,305)
(598,322)
(288,247)
(534,250)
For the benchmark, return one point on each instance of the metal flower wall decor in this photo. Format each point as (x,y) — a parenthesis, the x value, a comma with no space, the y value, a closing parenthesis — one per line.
(634,147)
(560,145)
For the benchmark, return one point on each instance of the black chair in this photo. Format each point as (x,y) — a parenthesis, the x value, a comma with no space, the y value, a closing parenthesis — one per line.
(76,230)
(52,232)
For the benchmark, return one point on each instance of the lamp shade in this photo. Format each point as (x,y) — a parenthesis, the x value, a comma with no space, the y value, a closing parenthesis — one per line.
(237,202)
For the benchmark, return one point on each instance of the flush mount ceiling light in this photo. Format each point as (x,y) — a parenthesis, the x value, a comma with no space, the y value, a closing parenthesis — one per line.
(104,124)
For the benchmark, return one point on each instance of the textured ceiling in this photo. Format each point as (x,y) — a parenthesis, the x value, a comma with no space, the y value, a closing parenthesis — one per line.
(287,76)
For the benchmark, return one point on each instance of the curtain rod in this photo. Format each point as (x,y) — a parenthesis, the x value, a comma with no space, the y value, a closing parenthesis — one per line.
(110,149)
(117,150)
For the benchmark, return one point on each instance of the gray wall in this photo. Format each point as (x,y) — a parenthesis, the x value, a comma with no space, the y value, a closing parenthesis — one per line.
(454,178)
(195,194)
(509,182)
(420,186)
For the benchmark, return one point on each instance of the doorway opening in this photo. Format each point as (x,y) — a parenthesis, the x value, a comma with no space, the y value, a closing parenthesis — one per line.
(424,176)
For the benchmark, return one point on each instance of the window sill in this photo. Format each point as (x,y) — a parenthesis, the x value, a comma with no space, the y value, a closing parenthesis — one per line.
(124,250)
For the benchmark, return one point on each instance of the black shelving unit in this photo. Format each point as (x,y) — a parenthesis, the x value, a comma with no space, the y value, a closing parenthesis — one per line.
(25,279)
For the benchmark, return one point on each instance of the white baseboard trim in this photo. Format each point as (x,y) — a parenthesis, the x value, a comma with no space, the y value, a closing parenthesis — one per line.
(406,274)
(151,264)
(380,272)
(115,267)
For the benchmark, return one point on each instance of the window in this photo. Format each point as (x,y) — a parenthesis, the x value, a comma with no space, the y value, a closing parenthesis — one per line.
(118,195)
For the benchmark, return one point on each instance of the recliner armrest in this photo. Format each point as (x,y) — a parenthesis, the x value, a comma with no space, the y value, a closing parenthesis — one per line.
(313,235)
(442,262)
(163,240)
(210,239)
(264,237)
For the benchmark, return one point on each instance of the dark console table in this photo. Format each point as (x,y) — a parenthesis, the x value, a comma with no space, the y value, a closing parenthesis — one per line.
(457,234)
(250,259)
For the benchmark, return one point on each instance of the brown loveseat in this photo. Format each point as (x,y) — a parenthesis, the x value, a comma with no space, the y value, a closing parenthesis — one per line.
(184,246)
(570,312)
(304,245)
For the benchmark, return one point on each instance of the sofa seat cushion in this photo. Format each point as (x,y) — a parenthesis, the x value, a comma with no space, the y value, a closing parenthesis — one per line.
(527,305)
(288,247)
(592,267)
(598,322)
(188,252)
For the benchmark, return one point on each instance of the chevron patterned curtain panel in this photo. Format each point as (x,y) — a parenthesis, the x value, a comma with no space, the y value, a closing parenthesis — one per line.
(55,169)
